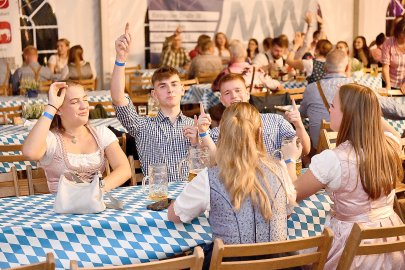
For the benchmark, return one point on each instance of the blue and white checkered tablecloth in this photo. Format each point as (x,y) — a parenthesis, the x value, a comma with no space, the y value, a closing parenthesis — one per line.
(10,134)
(201,93)
(10,101)
(398,125)
(29,229)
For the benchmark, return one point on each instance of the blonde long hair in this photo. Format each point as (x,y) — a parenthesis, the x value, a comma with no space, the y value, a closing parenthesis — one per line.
(241,158)
(379,163)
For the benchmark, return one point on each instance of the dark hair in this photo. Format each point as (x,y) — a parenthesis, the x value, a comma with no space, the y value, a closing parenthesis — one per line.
(75,57)
(379,40)
(365,49)
(399,28)
(316,33)
(57,121)
(323,47)
(284,40)
(230,77)
(257,47)
(164,73)
(278,41)
(267,43)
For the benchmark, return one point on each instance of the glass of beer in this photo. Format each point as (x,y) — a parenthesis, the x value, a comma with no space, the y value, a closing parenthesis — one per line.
(298,162)
(196,160)
(157,182)
(374,70)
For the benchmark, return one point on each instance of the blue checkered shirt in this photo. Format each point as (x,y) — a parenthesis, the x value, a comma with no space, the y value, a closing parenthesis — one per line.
(157,139)
(275,128)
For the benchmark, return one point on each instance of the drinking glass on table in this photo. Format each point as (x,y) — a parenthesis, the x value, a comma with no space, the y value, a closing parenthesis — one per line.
(279,155)
(374,70)
(196,161)
(158,182)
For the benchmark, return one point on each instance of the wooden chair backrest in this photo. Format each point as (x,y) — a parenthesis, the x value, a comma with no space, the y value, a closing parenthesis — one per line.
(9,184)
(37,182)
(49,264)
(140,85)
(108,106)
(136,171)
(316,258)
(188,83)
(89,84)
(354,247)
(207,77)
(44,86)
(11,112)
(327,140)
(12,148)
(192,262)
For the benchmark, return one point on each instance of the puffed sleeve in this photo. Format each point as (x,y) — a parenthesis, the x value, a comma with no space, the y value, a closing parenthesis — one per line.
(326,169)
(194,199)
(105,135)
(51,144)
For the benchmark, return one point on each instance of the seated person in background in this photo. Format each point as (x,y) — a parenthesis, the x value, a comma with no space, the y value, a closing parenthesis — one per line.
(77,68)
(272,58)
(314,68)
(239,65)
(252,50)
(206,62)
(30,69)
(354,64)
(5,74)
(161,139)
(361,51)
(222,47)
(376,52)
(247,194)
(173,55)
(197,50)
(62,140)
(58,61)
(359,174)
(275,127)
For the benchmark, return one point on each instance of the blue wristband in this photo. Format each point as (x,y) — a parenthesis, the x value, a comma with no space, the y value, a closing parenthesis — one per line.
(289,161)
(203,134)
(47,115)
(120,64)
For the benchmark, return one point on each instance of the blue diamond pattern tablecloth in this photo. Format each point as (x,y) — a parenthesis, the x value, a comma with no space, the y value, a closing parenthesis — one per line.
(10,134)
(29,229)
(398,125)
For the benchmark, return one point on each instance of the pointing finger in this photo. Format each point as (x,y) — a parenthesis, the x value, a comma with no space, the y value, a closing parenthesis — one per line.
(126,28)
(195,121)
(202,112)
(294,105)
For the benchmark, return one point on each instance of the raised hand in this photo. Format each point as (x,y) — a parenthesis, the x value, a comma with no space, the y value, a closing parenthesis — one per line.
(308,17)
(298,40)
(294,115)
(204,120)
(191,132)
(122,45)
(53,98)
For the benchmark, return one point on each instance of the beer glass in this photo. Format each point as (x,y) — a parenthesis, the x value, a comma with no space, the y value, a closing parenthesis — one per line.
(196,160)
(158,183)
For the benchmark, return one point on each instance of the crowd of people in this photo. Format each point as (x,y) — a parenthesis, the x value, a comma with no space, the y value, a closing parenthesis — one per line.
(248,190)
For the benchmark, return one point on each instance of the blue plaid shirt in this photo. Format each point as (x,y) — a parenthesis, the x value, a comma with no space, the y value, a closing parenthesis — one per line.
(275,128)
(157,139)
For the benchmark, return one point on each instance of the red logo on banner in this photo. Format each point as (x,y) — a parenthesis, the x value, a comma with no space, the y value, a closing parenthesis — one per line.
(5,32)
(3,4)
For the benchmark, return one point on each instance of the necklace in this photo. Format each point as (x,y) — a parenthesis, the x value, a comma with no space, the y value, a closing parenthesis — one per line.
(73,139)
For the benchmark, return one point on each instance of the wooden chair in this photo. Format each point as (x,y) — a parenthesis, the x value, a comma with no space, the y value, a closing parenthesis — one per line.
(37,182)
(354,247)
(108,106)
(316,258)
(9,184)
(188,83)
(136,171)
(10,113)
(327,140)
(49,264)
(296,93)
(89,84)
(207,77)
(44,86)
(139,85)
(128,72)
(192,262)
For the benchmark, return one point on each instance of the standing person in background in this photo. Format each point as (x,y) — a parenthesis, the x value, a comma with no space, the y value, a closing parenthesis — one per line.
(393,58)
(376,52)
(361,51)
(58,61)
(221,47)
(77,68)
(360,175)
(252,50)
(173,54)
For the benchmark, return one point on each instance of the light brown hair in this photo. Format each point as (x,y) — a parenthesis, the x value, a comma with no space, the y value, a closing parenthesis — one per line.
(377,156)
(164,73)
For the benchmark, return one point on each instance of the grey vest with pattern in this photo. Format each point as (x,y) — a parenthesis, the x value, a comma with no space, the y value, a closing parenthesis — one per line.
(246,225)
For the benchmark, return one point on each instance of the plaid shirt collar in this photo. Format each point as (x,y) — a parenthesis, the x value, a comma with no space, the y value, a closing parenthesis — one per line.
(161,117)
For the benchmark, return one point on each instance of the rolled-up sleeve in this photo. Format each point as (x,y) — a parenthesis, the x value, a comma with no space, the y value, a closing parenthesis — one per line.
(195,198)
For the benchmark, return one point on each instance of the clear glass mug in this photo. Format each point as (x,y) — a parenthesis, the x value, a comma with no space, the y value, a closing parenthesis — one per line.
(279,155)
(196,160)
(158,182)
(374,70)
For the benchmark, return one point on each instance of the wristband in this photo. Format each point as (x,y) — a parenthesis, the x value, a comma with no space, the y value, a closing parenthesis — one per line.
(120,64)
(47,115)
(289,161)
(53,106)
(203,134)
